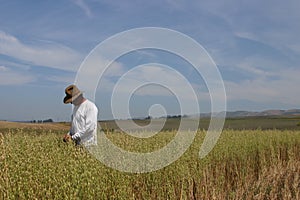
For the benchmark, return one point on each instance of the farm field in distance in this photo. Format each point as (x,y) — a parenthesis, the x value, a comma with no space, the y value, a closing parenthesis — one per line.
(237,123)
(255,158)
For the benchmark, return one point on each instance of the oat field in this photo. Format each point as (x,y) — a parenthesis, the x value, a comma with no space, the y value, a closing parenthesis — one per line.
(245,164)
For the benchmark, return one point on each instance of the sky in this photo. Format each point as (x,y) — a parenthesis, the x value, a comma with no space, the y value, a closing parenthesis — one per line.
(254,44)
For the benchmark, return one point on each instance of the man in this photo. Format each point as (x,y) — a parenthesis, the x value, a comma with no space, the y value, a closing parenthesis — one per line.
(84,118)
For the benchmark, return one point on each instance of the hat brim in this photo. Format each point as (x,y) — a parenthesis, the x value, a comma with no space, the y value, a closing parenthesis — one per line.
(69,98)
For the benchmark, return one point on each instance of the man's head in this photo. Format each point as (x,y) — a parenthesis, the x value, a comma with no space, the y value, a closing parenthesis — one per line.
(73,95)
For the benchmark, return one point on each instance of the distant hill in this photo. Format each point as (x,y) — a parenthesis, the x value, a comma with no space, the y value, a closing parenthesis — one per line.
(266,113)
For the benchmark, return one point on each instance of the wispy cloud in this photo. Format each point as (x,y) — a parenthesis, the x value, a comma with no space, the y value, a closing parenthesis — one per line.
(62,79)
(157,79)
(284,89)
(82,4)
(12,77)
(40,54)
(275,23)
(152,81)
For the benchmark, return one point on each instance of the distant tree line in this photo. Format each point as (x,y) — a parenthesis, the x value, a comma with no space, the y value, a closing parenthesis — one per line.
(176,116)
(169,116)
(42,121)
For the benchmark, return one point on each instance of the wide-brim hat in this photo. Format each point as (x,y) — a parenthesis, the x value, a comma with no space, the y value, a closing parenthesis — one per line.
(72,92)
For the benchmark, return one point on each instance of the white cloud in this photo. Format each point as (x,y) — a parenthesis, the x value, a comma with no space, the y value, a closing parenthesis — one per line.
(275,23)
(155,79)
(254,71)
(89,72)
(115,69)
(62,79)
(15,65)
(44,54)
(283,89)
(11,77)
(84,7)
(3,69)
(152,80)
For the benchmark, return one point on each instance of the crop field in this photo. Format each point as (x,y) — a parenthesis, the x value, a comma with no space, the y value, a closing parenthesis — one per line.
(245,164)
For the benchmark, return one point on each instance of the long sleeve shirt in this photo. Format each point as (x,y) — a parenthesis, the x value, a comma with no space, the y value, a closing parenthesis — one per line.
(84,123)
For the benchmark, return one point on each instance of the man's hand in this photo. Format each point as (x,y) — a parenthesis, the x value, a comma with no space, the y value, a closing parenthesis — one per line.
(67,138)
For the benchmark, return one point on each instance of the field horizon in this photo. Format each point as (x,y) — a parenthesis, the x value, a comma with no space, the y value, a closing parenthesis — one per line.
(280,122)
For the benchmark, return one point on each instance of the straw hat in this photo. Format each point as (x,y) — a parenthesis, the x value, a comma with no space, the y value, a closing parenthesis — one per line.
(72,92)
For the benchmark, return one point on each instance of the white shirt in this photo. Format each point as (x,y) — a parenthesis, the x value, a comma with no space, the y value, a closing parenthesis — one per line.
(84,123)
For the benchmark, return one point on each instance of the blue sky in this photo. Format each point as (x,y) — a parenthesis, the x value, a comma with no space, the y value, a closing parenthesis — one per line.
(255,45)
